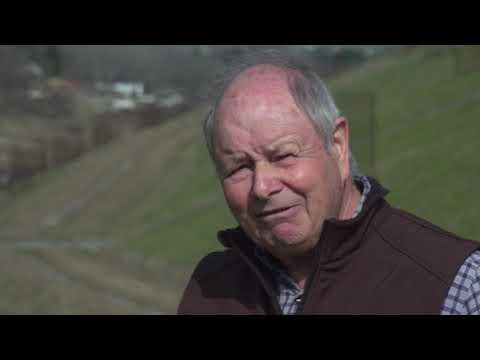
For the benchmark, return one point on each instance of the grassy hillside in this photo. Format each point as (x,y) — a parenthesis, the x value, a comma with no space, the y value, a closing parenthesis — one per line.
(150,191)
(154,194)
(426,113)
(143,196)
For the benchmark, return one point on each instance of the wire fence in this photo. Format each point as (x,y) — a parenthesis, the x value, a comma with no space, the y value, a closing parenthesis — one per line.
(361,107)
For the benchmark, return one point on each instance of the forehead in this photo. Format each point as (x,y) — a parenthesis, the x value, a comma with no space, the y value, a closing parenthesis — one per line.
(258,84)
(259,104)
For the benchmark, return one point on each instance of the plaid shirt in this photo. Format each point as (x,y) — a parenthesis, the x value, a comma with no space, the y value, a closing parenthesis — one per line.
(463,296)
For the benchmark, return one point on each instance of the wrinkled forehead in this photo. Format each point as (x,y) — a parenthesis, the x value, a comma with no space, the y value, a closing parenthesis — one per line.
(257,83)
(258,108)
(257,88)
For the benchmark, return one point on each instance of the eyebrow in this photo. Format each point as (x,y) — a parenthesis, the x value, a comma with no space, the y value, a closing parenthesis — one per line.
(281,144)
(235,158)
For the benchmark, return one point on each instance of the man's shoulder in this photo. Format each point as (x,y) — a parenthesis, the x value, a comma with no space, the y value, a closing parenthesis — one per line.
(402,226)
(422,242)
(213,286)
(216,263)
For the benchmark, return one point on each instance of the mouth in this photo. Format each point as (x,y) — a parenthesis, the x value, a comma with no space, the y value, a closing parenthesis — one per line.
(280,213)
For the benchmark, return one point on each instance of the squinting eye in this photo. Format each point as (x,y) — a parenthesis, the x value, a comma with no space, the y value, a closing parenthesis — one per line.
(237,170)
(281,157)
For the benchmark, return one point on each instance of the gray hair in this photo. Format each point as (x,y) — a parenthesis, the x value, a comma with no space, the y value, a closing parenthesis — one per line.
(307,89)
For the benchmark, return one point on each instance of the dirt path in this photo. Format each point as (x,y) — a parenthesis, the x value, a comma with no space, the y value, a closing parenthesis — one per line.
(40,278)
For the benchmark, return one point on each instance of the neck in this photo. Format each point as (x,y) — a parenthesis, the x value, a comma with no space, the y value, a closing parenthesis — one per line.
(300,267)
(350,199)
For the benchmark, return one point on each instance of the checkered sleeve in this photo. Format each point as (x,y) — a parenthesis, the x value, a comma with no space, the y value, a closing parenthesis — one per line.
(464,294)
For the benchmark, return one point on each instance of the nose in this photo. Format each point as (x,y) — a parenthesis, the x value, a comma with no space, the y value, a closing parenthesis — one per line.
(265,182)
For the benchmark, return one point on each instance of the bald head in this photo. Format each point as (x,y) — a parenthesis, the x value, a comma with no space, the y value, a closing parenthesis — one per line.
(263,88)
(275,83)
(261,80)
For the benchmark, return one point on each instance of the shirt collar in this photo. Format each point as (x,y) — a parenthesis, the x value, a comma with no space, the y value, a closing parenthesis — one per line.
(364,186)
(279,272)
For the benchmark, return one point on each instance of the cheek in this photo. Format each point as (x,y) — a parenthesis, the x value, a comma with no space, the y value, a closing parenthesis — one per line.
(304,179)
(314,181)
(236,196)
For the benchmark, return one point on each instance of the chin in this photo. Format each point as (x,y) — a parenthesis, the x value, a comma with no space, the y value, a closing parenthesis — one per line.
(292,240)
(288,233)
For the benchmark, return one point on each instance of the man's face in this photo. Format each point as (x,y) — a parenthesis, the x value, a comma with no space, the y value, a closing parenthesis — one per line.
(278,179)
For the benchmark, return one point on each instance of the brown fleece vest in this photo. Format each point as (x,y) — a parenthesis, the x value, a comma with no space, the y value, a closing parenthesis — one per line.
(385,261)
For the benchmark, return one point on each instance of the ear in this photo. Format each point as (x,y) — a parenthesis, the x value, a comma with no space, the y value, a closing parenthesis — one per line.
(341,147)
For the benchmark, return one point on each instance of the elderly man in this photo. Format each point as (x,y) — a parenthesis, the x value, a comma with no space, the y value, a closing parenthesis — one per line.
(314,236)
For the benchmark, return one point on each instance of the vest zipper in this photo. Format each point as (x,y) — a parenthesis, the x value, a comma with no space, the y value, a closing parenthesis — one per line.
(311,280)
(268,289)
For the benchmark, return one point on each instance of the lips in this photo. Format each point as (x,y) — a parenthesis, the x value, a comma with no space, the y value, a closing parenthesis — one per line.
(273,211)
(279,214)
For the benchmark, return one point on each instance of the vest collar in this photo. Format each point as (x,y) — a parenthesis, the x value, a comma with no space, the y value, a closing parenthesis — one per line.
(334,234)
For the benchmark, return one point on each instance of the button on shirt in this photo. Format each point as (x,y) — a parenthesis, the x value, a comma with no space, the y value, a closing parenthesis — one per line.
(463,296)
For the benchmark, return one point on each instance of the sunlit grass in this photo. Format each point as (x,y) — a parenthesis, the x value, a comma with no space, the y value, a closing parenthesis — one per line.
(156,192)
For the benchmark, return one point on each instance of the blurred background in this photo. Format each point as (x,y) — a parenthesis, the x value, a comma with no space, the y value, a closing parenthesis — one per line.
(108,196)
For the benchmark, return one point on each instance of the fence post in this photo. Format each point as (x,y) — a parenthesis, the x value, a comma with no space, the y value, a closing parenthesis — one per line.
(373,133)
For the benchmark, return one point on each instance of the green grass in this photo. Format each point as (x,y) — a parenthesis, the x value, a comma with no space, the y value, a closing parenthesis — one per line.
(427,135)
(157,194)
(147,191)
